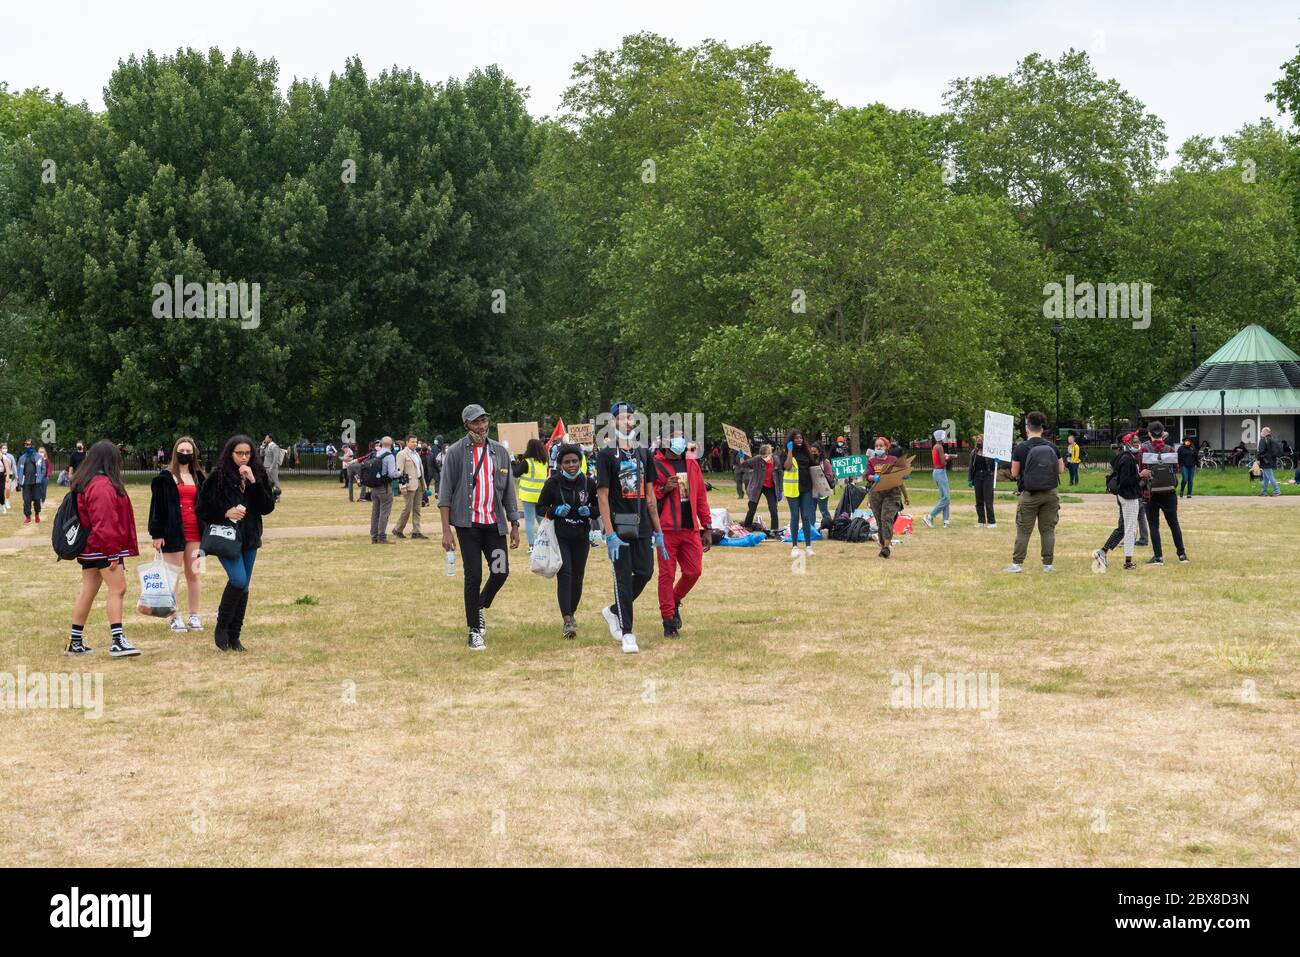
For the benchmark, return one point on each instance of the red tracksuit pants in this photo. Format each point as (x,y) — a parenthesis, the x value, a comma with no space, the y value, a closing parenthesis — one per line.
(687,553)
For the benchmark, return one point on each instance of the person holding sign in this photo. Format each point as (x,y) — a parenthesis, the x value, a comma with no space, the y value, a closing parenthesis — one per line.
(684,517)
(632,528)
(888,502)
(1036,465)
(1159,462)
(979,476)
(823,482)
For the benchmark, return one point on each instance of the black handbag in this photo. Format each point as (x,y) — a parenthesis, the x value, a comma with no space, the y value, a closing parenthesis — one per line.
(222,540)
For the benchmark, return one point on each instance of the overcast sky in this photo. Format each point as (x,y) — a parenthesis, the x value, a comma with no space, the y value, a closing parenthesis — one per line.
(1202,67)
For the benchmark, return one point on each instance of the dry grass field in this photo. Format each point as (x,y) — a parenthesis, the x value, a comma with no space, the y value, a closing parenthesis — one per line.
(1141,718)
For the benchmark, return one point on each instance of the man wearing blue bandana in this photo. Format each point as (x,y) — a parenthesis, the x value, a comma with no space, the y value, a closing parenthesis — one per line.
(624,471)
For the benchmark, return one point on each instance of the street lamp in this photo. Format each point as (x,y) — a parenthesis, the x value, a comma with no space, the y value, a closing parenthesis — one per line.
(1056,334)
(1223,423)
(1193,345)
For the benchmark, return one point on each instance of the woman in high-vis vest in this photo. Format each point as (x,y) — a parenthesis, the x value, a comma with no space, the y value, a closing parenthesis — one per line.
(531,473)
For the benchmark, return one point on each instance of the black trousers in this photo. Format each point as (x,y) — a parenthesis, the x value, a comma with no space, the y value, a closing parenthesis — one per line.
(568,582)
(633,570)
(1166,502)
(984,499)
(31,500)
(770,495)
(479,543)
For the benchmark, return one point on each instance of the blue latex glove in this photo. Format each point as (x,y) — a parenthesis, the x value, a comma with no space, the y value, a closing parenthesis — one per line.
(970,484)
(658,539)
(584,511)
(560,510)
(875,478)
(789,446)
(613,543)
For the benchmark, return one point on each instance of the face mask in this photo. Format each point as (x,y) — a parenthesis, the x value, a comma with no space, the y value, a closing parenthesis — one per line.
(184,458)
(678,445)
(625,436)
(570,475)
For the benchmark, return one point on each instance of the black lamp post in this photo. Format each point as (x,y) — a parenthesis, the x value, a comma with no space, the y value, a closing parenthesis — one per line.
(1223,422)
(1056,334)
(1193,345)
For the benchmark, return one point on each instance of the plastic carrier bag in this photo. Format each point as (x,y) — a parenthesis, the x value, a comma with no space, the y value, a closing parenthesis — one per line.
(546,559)
(157,588)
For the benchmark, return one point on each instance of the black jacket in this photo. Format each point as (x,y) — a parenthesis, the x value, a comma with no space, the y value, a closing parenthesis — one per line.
(165,511)
(215,498)
(1125,466)
(1269,450)
(1187,456)
(560,491)
(980,467)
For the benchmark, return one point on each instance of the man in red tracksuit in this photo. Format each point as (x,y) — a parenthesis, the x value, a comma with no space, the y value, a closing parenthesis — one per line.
(684,517)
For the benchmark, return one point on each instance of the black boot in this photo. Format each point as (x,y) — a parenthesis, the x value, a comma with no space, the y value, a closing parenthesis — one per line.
(225,615)
(237,620)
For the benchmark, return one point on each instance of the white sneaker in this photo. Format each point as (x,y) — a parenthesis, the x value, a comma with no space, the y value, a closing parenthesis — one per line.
(1099,561)
(629,644)
(1048,568)
(808,550)
(195,623)
(1013,568)
(178,625)
(615,626)
(929,522)
(979,524)
(794,552)
(990,526)
(947,524)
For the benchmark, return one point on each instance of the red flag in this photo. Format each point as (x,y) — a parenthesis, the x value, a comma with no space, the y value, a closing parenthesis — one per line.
(557,434)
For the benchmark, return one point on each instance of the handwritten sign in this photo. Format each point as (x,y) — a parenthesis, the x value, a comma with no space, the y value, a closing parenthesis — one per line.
(999,435)
(582,433)
(849,466)
(736,439)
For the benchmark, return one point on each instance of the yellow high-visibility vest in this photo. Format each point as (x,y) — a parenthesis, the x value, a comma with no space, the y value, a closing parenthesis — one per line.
(530,483)
(790,481)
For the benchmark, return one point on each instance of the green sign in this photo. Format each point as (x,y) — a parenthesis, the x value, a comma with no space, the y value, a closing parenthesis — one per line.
(850,466)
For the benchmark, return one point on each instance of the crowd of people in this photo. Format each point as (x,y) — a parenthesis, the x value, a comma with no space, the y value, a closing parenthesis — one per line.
(643,499)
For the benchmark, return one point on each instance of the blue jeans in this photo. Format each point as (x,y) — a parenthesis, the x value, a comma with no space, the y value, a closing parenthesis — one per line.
(240,570)
(530,521)
(1187,473)
(1074,472)
(805,507)
(945,495)
(1266,480)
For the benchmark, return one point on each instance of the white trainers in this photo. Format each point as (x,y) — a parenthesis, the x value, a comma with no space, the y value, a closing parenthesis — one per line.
(947,524)
(808,550)
(178,625)
(615,626)
(629,644)
(1048,568)
(990,525)
(794,552)
(1099,561)
(1013,568)
(929,522)
(195,623)
(979,524)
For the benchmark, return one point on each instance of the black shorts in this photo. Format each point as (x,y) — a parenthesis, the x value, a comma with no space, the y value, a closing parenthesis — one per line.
(99,562)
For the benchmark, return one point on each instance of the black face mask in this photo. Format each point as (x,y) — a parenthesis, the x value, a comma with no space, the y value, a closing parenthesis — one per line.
(184,458)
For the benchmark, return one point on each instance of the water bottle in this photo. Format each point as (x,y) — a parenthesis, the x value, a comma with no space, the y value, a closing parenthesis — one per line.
(451,564)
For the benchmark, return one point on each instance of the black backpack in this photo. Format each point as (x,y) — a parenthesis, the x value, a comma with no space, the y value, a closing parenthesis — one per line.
(70,533)
(1040,468)
(372,473)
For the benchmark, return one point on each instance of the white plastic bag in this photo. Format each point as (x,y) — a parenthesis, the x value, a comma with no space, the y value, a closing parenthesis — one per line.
(158,588)
(546,559)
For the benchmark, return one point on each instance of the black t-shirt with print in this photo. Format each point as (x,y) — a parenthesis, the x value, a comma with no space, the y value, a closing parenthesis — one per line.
(627,475)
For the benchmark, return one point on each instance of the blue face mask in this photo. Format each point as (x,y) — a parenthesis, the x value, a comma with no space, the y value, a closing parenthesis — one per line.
(570,475)
(678,445)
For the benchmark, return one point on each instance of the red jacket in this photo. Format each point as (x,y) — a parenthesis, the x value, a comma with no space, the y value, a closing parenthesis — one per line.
(670,502)
(112,521)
